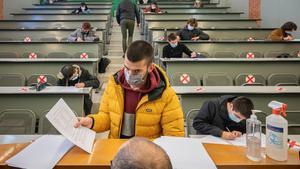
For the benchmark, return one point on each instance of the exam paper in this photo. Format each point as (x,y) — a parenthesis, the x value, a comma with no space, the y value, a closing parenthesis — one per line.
(239,141)
(63,119)
(44,153)
(186,153)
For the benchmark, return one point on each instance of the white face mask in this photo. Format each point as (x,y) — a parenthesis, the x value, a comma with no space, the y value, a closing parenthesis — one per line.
(134,80)
(74,77)
(174,45)
(189,27)
(82,8)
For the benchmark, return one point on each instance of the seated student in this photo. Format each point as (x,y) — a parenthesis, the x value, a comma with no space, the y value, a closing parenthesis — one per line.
(191,32)
(198,4)
(85,33)
(175,49)
(224,117)
(140,153)
(152,8)
(283,33)
(74,75)
(83,9)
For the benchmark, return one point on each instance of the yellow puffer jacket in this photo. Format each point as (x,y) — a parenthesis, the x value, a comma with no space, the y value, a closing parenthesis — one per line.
(158,113)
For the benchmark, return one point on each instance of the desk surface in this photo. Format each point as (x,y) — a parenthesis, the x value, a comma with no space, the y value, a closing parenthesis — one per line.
(180,90)
(48,90)
(224,156)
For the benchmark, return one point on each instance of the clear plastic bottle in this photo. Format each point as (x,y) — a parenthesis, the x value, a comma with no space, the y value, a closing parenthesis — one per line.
(276,132)
(253,137)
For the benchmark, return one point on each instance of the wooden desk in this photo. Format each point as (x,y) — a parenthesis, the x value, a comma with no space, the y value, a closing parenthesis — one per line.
(224,156)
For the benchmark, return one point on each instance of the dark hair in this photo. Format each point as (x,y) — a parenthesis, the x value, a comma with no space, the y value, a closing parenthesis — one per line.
(243,105)
(140,50)
(172,36)
(86,25)
(193,22)
(67,71)
(82,4)
(289,26)
(154,3)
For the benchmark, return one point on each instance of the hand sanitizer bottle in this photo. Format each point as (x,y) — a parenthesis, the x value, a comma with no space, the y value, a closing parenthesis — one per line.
(276,132)
(253,137)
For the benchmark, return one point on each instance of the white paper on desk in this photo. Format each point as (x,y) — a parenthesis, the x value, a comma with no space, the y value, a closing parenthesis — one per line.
(63,119)
(44,153)
(186,153)
(239,141)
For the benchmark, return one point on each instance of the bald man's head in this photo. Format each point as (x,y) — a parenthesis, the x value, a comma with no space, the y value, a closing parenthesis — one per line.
(140,153)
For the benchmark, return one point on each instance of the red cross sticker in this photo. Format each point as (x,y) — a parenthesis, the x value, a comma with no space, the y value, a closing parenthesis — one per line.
(250,39)
(42,79)
(161,38)
(250,55)
(27,39)
(185,78)
(293,144)
(250,79)
(32,55)
(84,56)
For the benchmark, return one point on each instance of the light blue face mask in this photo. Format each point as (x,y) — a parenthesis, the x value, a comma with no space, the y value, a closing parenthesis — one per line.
(189,27)
(234,118)
(174,45)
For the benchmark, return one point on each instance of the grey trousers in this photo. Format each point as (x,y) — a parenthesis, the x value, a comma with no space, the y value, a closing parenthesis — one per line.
(127,25)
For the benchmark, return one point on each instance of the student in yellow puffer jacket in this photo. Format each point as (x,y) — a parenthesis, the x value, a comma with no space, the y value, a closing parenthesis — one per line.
(138,100)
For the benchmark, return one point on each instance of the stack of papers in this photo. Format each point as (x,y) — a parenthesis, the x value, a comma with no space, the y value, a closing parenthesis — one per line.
(46,151)
(186,153)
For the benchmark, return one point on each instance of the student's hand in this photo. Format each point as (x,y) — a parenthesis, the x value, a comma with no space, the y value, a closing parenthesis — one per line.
(79,85)
(84,122)
(193,55)
(228,135)
(178,38)
(237,133)
(288,38)
(195,38)
(79,39)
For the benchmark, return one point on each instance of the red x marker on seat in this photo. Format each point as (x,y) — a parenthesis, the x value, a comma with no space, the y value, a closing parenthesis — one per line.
(27,39)
(42,79)
(250,55)
(250,79)
(84,56)
(32,55)
(185,78)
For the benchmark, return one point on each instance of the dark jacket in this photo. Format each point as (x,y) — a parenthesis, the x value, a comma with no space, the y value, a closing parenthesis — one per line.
(89,81)
(186,34)
(212,118)
(85,77)
(169,52)
(127,10)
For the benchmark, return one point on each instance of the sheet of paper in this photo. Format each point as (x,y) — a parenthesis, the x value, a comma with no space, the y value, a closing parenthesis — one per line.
(240,141)
(63,119)
(44,153)
(186,153)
